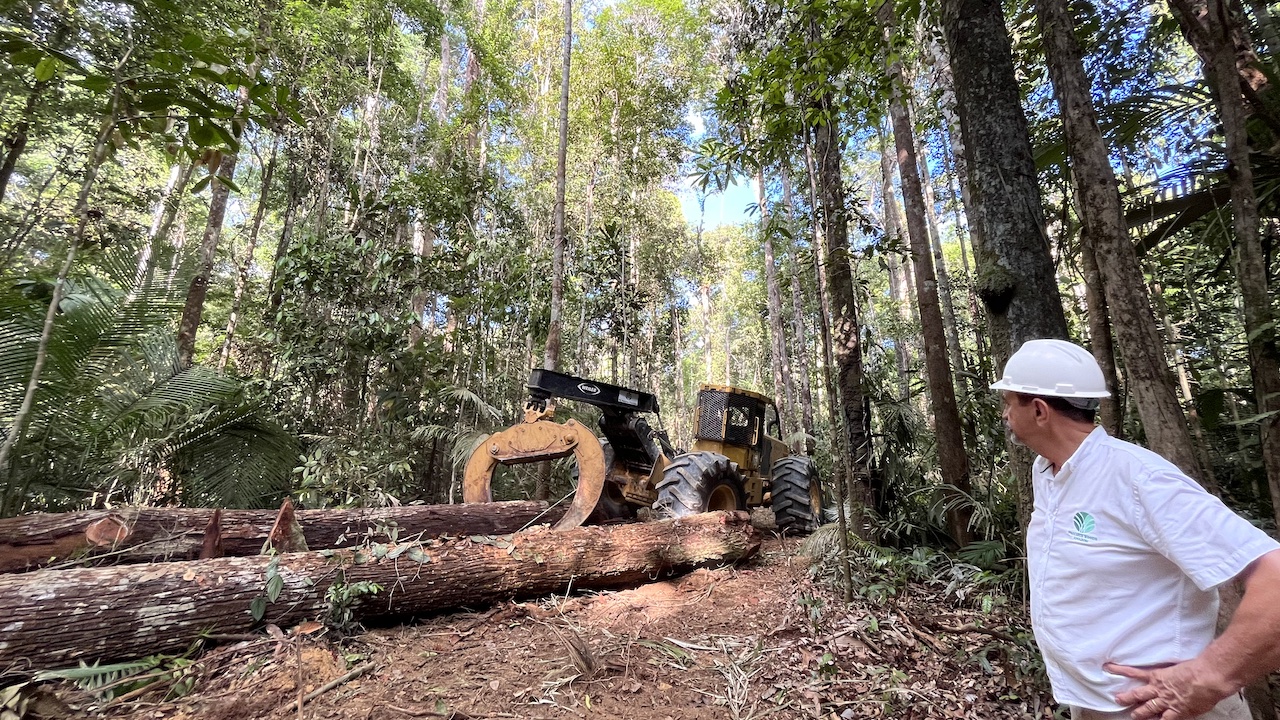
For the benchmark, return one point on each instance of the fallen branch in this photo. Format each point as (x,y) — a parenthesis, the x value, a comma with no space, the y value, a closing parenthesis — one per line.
(971,628)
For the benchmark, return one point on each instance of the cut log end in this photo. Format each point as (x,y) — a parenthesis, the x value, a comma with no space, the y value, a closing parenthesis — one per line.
(108,532)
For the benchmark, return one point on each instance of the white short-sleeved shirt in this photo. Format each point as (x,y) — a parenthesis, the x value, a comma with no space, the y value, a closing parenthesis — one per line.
(1125,553)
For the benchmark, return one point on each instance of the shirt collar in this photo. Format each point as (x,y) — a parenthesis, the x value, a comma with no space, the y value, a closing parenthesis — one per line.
(1041,465)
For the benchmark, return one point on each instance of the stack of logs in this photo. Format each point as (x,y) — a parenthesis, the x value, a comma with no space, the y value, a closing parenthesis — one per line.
(112,585)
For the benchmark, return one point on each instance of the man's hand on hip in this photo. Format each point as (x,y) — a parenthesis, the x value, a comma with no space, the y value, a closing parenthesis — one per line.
(1177,692)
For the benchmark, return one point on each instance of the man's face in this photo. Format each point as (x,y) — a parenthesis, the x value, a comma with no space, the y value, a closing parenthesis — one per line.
(1016,417)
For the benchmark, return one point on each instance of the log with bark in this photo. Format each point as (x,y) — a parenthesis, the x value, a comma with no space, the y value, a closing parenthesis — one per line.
(51,618)
(124,535)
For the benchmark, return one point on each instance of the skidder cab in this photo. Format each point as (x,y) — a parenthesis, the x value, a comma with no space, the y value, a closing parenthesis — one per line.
(736,462)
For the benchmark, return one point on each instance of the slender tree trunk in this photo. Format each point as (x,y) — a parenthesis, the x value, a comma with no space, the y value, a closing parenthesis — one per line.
(947,427)
(242,278)
(1174,343)
(551,358)
(12,501)
(897,291)
(778,340)
(220,192)
(1100,343)
(797,320)
(166,213)
(839,437)
(274,284)
(16,141)
(1211,30)
(949,317)
(1098,200)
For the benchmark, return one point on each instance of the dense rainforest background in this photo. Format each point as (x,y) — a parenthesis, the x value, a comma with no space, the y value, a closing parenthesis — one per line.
(313,249)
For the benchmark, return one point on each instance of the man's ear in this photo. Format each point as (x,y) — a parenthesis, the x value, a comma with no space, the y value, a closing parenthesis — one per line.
(1042,409)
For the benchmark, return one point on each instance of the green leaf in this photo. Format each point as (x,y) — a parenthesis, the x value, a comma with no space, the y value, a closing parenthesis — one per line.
(202,134)
(228,183)
(258,608)
(275,585)
(226,137)
(204,182)
(46,69)
(30,56)
(94,83)
(155,102)
(191,42)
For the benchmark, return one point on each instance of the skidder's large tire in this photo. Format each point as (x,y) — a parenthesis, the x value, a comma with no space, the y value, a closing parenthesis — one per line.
(612,507)
(699,482)
(797,496)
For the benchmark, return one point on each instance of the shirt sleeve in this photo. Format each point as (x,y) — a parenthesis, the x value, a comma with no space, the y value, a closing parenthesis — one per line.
(1194,530)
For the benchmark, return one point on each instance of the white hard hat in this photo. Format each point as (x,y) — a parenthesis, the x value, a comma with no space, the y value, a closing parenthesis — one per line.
(1054,368)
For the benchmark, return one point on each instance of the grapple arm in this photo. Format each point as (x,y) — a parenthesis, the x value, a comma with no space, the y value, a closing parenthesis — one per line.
(539,439)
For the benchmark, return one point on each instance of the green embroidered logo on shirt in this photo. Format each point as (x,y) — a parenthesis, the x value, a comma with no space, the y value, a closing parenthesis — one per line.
(1084,527)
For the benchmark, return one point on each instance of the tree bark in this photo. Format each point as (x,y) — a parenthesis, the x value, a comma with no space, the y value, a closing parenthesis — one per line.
(846,330)
(55,618)
(778,338)
(242,277)
(839,438)
(1098,203)
(1214,33)
(1100,343)
(897,291)
(1016,281)
(952,457)
(16,141)
(129,535)
(1015,276)
(797,321)
(193,309)
(551,356)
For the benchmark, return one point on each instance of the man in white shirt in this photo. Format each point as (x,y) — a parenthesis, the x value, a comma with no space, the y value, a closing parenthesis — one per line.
(1125,554)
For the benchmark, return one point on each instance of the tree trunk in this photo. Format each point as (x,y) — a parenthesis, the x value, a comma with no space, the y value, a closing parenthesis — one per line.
(551,358)
(947,428)
(949,318)
(16,141)
(843,469)
(1098,202)
(1015,276)
(55,618)
(1100,344)
(897,293)
(242,278)
(846,333)
(129,535)
(162,223)
(275,285)
(10,501)
(1016,281)
(1213,32)
(778,339)
(797,321)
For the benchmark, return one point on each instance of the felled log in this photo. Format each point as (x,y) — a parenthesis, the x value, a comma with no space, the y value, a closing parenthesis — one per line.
(125,535)
(52,618)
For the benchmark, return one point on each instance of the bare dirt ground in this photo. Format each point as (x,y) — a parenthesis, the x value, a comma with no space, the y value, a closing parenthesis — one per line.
(753,641)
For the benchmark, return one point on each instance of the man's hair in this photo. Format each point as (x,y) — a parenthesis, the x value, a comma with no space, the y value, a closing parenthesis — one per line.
(1062,405)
